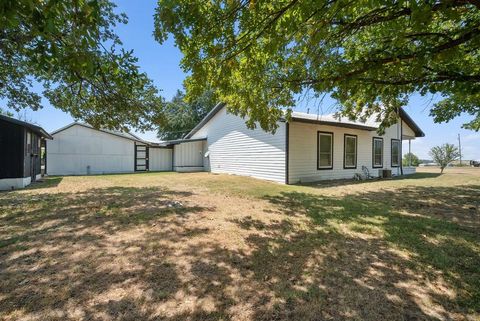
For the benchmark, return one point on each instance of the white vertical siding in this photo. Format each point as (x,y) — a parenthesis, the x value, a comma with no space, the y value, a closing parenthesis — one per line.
(303,152)
(75,148)
(188,156)
(235,149)
(160,159)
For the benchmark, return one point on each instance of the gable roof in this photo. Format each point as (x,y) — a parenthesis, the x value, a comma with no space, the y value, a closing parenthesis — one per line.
(36,129)
(205,120)
(409,121)
(329,120)
(126,135)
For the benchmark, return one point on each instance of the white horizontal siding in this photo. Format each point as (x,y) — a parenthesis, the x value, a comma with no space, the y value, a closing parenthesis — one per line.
(74,149)
(235,149)
(160,159)
(303,152)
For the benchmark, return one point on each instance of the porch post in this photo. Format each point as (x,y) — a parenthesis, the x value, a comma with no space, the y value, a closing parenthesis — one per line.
(410,152)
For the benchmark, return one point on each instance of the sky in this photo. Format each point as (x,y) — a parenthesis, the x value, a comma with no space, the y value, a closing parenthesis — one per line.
(162,64)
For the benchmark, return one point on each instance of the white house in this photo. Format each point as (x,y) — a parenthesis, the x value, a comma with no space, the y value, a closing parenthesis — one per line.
(305,149)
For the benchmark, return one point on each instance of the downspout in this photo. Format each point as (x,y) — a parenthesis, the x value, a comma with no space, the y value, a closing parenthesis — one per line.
(287,147)
(401,147)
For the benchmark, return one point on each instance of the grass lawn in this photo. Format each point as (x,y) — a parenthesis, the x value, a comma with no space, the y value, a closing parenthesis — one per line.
(169,246)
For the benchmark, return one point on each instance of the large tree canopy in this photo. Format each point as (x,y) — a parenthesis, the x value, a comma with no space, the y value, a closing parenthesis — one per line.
(370,55)
(70,49)
(181,115)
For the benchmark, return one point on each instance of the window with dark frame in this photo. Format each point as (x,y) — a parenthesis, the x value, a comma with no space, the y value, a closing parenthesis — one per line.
(324,150)
(395,152)
(350,151)
(377,152)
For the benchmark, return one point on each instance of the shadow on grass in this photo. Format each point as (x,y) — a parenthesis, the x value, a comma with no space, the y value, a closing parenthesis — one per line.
(436,229)
(350,182)
(151,253)
(65,247)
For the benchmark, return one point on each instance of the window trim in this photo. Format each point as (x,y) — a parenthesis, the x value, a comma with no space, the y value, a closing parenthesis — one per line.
(399,152)
(318,150)
(373,151)
(345,151)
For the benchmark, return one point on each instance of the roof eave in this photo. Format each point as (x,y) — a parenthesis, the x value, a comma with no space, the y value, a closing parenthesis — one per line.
(334,124)
(205,120)
(409,121)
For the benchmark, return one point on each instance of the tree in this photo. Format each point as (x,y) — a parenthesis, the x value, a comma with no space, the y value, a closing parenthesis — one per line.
(410,159)
(369,55)
(69,49)
(181,115)
(444,155)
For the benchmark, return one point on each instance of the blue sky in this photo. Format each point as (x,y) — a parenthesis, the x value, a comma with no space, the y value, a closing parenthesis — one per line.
(162,64)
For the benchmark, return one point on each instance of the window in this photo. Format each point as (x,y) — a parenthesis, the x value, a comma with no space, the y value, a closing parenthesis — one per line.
(395,153)
(350,151)
(29,143)
(325,150)
(377,151)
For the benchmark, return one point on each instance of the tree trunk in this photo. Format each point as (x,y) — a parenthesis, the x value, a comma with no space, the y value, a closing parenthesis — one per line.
(441,169)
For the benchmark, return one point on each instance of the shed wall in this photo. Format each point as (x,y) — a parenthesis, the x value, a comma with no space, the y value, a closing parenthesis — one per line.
(76,148)
(12,150)
(160,159)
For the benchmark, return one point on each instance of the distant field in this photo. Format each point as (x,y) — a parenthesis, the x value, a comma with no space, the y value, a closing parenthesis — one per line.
(170,246)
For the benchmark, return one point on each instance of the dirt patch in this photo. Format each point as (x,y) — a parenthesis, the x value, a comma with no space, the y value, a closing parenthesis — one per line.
(216,247)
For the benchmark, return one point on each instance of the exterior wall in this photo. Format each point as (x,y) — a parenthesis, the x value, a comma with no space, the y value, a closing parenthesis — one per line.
(75,148)
(160,159)
(188,156)
(12,150)
(14,183)
(32,158)
(235,149)
(303,152)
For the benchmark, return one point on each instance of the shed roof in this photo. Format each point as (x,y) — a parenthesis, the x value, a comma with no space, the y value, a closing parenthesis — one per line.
(126,135)
(36,129)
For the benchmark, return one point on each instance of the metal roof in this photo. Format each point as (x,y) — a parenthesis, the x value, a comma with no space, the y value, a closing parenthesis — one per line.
(330,120)
(126,135)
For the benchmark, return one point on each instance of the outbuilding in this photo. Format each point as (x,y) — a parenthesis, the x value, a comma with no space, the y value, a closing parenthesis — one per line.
(80,149)
(20,152)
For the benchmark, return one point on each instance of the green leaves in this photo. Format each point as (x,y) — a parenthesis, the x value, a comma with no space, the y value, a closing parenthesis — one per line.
(369,55)
(444,155)
(62,45)
(182,115)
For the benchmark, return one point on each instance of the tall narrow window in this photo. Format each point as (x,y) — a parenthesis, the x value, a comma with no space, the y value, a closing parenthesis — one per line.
(377,151)
(325,150)
(395,153)
(29,143)
(350,151)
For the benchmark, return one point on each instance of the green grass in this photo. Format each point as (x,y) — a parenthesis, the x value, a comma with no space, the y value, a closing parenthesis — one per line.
(120,247)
